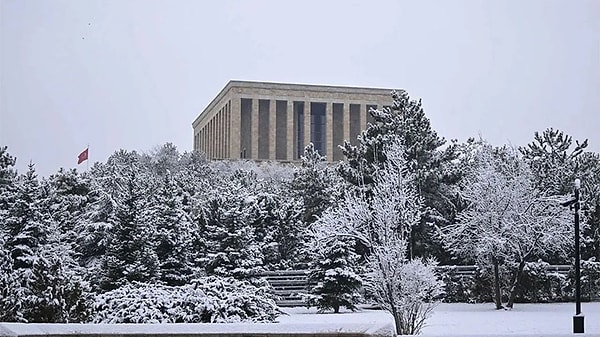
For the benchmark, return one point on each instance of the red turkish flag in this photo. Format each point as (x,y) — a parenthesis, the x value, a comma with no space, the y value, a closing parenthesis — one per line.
(83,156)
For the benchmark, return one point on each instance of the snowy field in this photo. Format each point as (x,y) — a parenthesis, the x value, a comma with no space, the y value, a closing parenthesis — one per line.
(555,319)
(539,320)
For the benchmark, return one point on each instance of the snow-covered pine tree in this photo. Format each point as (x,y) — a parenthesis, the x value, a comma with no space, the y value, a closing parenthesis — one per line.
(58,292)
(406,123)
(130,252)
(232,248)
(556,162)
(9,304)
(26,226)
(42,282)
(333,272)
(164,159)
(553,161)
(173,235)
(67,199)
(315,184)
(7,181)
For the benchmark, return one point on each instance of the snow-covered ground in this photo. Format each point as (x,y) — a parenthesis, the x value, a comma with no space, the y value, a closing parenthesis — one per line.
(459,319)
(532,319)
(539,320)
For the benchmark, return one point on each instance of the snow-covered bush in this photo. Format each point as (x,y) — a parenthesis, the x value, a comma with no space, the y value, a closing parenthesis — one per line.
(48,292)
(590,281)
(409,290)
(458,288)
(207,300)
(539,285)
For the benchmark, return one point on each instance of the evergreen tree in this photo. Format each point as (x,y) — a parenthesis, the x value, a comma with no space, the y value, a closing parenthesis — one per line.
(553,161)
(232,248)
(25,224)
(315,184)
(337,283)
(7,180)
(41,281)
(130,254)
(164,159)
(67,199)
(173,234)
(405,122)
(9,303)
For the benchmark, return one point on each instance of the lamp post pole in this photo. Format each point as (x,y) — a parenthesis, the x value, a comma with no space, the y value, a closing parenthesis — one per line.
(578,319)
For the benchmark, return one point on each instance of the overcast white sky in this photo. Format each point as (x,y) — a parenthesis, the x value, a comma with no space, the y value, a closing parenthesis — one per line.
(134,74)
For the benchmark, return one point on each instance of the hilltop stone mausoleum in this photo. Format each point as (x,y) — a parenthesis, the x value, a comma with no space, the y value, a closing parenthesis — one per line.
(275,121)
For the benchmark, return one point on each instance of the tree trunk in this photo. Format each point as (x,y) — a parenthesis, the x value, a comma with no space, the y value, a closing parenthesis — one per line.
(515,284)
(497,297)
(397,322)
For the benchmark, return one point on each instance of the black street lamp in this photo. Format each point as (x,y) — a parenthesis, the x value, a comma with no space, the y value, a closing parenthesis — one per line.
(578,319)
(578,326)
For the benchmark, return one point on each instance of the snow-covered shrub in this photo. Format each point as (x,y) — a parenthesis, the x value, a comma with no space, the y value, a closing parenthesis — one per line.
(590,281)
(458,288)
(208,300)
(538,285)
(409,290)
(45,293)
(337,283)
(483,281)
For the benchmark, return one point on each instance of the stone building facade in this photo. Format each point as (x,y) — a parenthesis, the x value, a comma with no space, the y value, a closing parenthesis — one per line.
(275,121)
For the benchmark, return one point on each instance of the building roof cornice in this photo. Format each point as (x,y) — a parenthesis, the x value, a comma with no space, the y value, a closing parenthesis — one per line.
(288,86)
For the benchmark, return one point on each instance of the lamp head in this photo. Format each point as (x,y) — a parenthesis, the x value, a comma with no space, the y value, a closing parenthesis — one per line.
(577,183)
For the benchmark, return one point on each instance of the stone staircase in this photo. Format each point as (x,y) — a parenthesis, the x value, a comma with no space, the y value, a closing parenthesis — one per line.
(288,285)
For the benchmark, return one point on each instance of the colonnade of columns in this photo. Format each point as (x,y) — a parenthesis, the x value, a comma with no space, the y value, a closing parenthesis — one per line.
(214,139)
(275,131)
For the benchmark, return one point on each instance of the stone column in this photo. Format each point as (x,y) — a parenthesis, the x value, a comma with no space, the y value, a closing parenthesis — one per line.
(306,124)
(210,138)
(290,135)
(329,131)
(202,140)
(346,121)
(363,117)
(205,141)
(228,130)
(254,139)
(272,129)
(235,128)
(218,134)
(222,134)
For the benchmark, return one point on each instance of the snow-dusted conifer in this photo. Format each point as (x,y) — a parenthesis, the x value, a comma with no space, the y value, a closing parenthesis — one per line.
(67,198)
(333,272)
(232,249)
(405,122)
(553,161)
(26,226)
(130,254)
(173,234)
(314,184)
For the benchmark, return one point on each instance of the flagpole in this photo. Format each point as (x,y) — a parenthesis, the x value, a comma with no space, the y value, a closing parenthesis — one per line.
(88,160)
